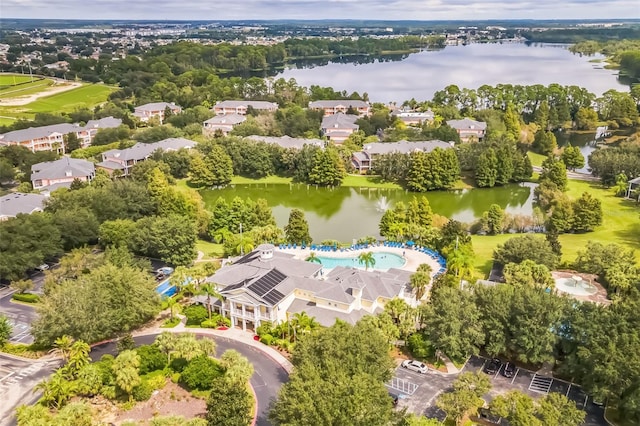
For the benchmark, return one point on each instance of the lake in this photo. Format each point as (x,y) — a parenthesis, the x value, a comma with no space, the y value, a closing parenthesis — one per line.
(420,75)
(347,213)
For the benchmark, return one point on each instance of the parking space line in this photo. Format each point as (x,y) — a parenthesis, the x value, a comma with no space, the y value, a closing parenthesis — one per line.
(515,375)
(498,372)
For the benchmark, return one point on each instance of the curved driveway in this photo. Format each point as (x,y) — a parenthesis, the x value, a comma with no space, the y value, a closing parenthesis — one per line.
(267,379)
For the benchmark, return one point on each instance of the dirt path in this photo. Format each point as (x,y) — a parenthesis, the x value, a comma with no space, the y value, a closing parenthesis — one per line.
(24,100)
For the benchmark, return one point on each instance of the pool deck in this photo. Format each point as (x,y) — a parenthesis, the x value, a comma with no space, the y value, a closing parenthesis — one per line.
(413,258)
(599,297)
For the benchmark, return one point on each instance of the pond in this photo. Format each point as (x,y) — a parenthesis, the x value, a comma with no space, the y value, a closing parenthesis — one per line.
(420,75)
(586,141)
(347,213)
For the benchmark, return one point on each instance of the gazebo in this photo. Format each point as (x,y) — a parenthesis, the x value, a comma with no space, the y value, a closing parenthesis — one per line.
(633,184)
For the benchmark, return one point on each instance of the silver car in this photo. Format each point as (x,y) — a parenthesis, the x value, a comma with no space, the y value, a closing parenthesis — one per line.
(416,366)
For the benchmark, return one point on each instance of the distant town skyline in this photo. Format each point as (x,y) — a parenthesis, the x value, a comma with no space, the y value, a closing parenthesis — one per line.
(316,9)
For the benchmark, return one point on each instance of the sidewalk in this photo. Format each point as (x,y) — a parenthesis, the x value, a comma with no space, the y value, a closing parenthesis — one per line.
(231,334)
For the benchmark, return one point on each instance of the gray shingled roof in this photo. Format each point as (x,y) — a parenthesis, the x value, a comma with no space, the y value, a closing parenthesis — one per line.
(287,141)
(326,317)
(111,165)
(404,147)
(64,167)
(340,120)
(336,103)
(64,128)
(467,124)
(39,132)
(253,104)
(156,106)
(140,151)
(18,202)
(226,119)
(103,123)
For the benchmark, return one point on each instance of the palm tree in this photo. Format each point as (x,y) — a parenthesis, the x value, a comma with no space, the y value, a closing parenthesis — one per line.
(303,323)
(367,260)
(62,347)
(313,258)
(419,282)
(238,368)
(125,368)
(180,277)
(166,343)
(171,302)
(460,260)
(78,357)
(209,289)
(56,391)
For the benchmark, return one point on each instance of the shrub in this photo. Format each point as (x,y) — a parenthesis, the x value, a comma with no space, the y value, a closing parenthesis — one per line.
(108,392)
(143,391)
(157,379)
(179,364)
(216,321)
(420,346)
(26,297)
(175,377)
(200,372)
(151,359)
(195,314)
(105,368)
(267,339)
(212,323)
(265,328)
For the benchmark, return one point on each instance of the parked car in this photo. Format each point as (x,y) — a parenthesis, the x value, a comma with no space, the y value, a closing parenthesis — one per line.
(416,366)
(509,370)
(493,366)
(42,268)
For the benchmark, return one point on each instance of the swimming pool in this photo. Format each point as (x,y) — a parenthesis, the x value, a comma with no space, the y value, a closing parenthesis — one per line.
(384,261)
(165,289)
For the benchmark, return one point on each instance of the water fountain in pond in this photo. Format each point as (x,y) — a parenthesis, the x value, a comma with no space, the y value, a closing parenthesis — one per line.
(382,205)
(575,285)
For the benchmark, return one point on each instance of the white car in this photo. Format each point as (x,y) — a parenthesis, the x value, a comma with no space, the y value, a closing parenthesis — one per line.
(416,366)
(42,267)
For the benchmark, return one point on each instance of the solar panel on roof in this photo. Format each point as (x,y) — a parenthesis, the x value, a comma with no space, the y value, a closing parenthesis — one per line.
(246,258)
(267,282)
(273,297)
(233,286)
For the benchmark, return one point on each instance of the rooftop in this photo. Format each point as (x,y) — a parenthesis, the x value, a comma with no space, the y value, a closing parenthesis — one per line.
(287,141)
(226,119)
(340,120)
(140,151)
(61,168)
(18,202)
(156,106)
(404,147)
(467,124)
(339,103)
(242,103)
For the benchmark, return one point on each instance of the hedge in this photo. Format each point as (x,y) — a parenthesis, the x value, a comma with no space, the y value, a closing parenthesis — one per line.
(26,297)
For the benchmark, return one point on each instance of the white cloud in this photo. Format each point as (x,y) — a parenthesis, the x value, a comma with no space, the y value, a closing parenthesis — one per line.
(320,9)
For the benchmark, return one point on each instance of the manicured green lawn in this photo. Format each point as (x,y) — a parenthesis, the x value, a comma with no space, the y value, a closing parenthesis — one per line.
(620,224)
(240,180)
(25,89)
(210,250)
(363,181)
(7,79)
(85,96)
(536,159)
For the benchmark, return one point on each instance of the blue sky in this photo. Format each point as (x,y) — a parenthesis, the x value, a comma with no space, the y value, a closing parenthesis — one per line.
(320,9)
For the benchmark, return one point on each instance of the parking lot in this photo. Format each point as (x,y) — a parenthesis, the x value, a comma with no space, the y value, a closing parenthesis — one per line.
(418,392)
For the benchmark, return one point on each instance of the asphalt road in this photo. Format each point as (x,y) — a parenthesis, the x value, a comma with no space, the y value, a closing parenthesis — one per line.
(267,379)
(17,380)
(21,316)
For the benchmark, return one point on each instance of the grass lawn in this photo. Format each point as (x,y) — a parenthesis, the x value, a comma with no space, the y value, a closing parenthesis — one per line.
(363,181)
(536,159)
(11,79)
(210,250)
(25,89)
(85,96)
(621,225)
(240,180)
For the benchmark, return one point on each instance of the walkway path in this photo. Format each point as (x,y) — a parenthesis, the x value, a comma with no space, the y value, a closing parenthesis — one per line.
(573,175)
